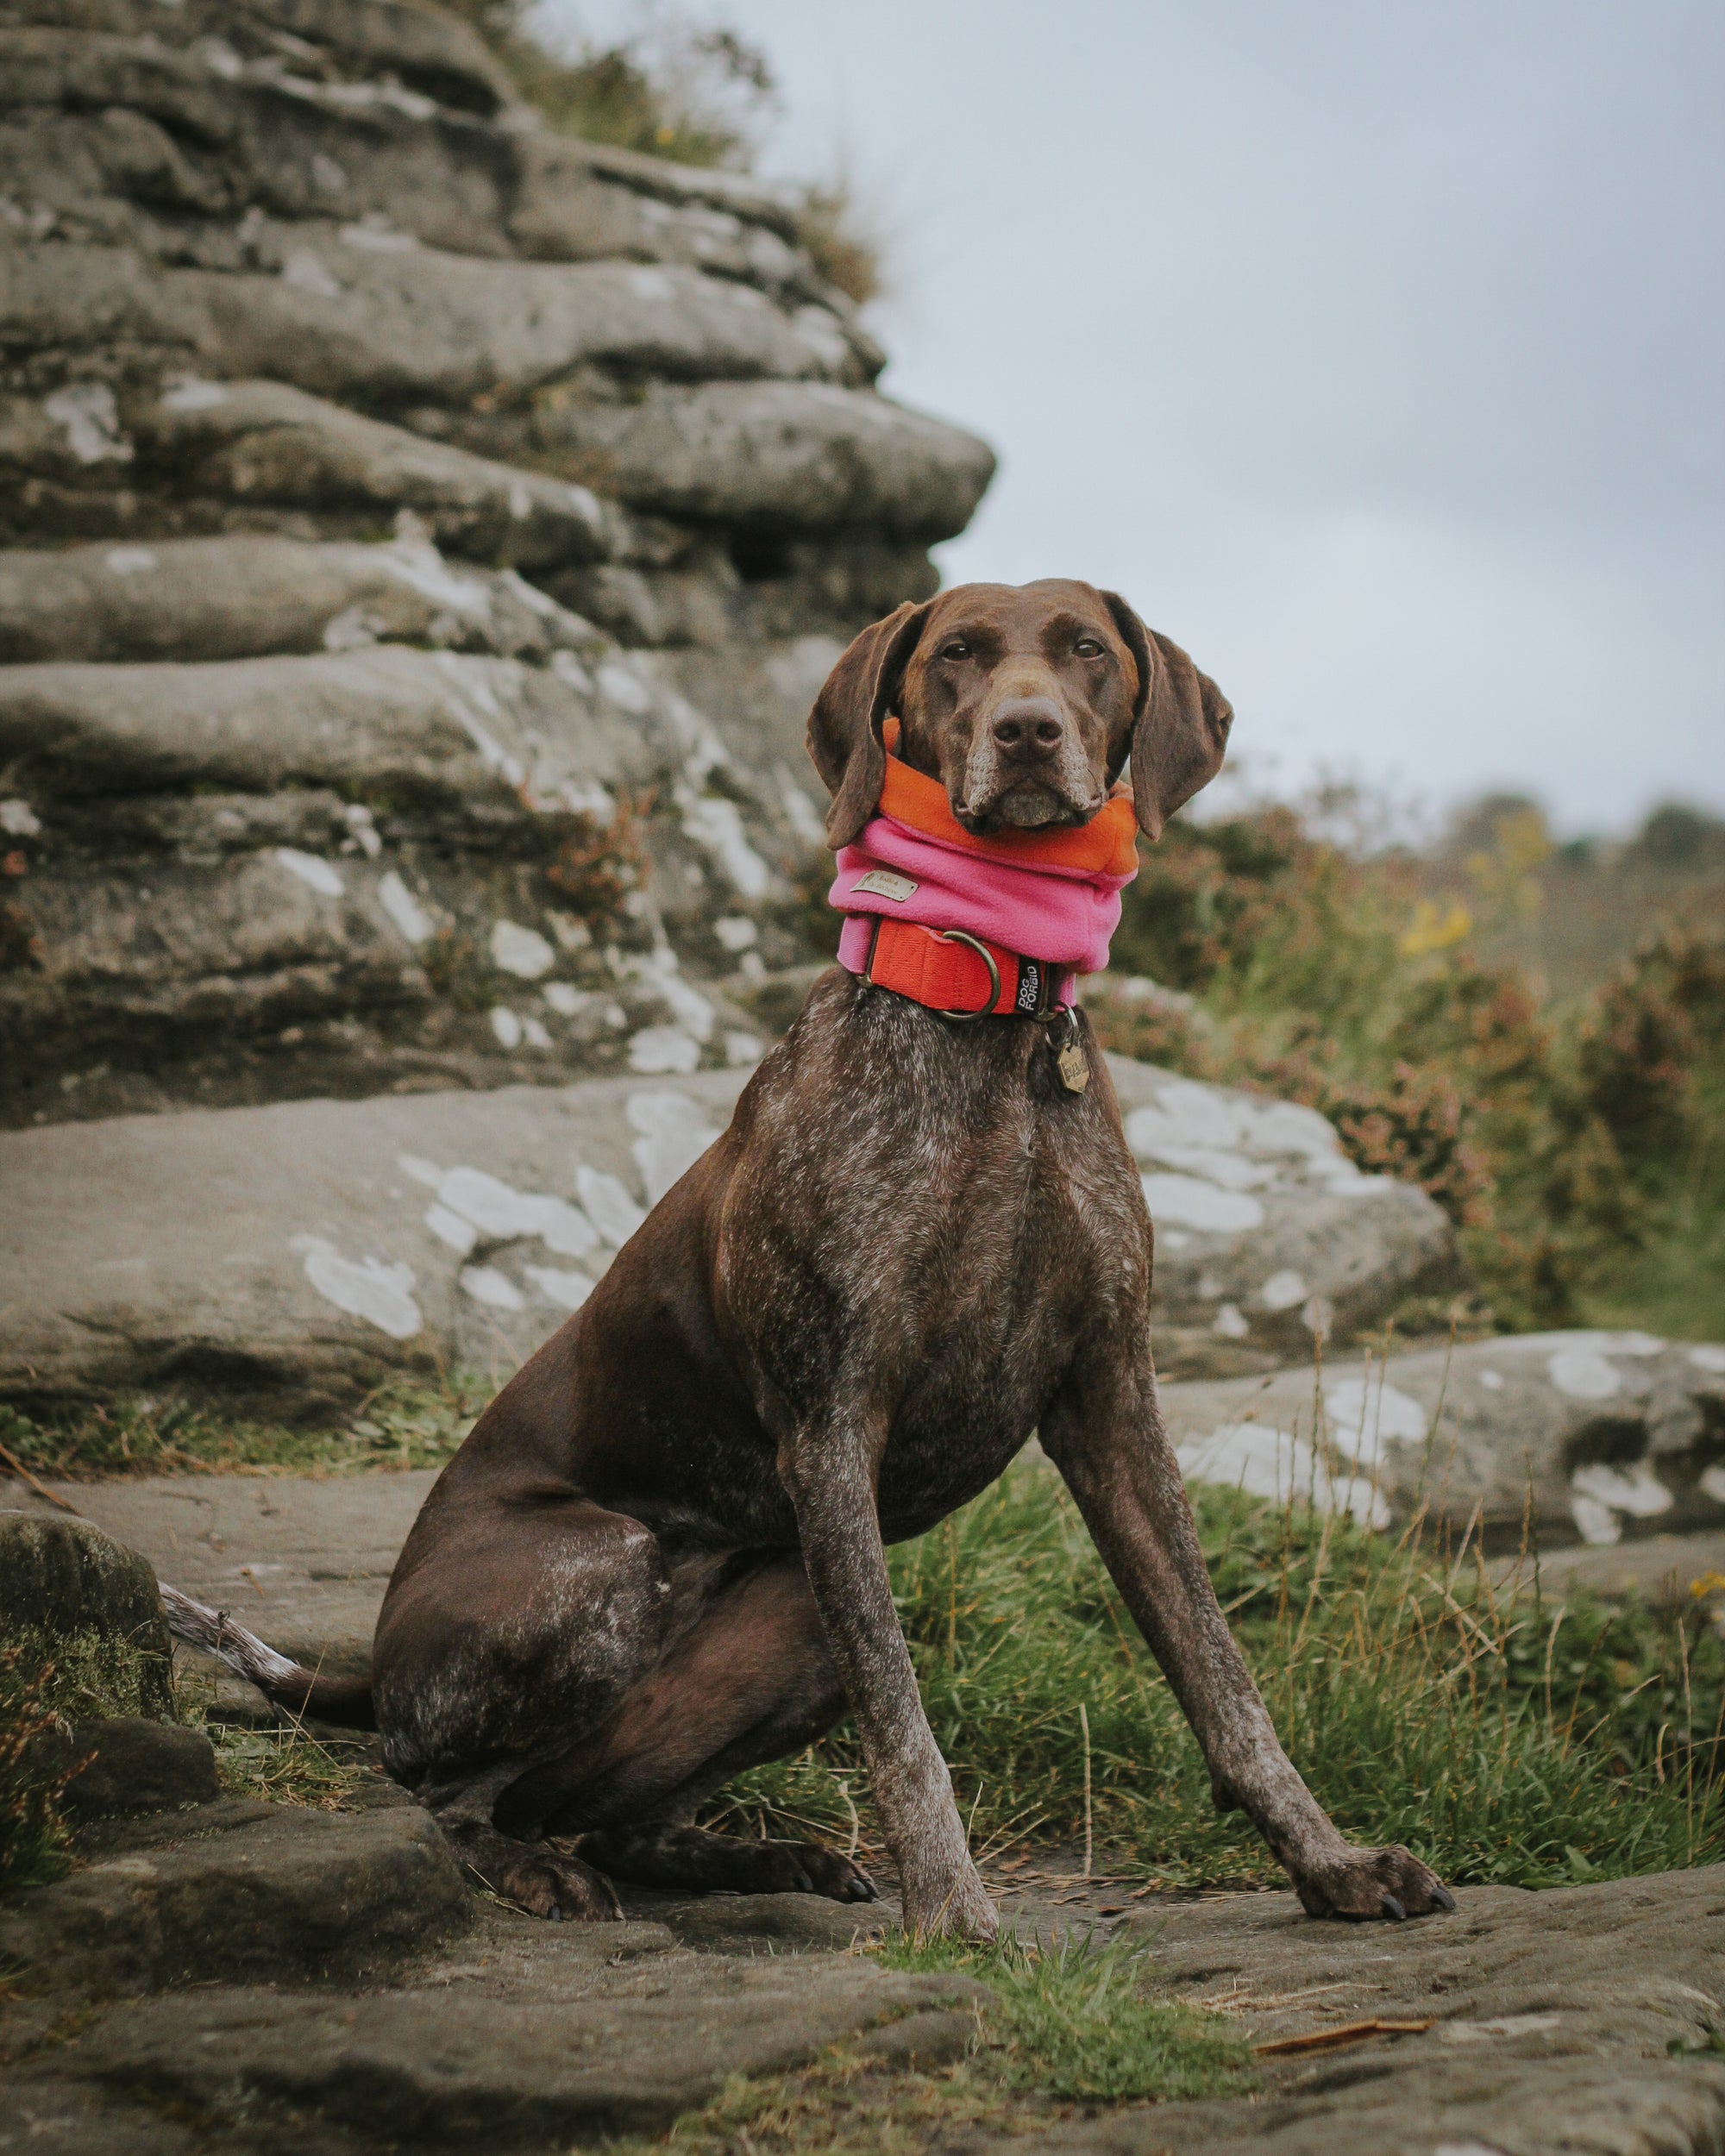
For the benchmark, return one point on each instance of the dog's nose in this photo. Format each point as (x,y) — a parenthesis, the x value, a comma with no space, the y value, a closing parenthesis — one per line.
(1028,726)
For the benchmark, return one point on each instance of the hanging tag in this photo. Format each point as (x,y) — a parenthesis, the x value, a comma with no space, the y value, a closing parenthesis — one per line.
(883,884)
(1071,1064)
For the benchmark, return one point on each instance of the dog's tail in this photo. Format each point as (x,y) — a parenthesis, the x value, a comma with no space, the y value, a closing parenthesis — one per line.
(345,1700)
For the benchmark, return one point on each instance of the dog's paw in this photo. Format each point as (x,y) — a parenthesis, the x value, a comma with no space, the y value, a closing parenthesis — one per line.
(548,1883)
(836,1877)
(1368,1883)
(956,1906)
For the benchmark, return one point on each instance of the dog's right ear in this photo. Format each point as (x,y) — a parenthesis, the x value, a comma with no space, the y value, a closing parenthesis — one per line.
(844,726)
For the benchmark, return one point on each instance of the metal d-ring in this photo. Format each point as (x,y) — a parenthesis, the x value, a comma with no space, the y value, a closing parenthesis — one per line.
(957,936)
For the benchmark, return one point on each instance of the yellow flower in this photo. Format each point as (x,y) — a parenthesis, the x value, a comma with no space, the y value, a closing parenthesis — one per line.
(1430,931)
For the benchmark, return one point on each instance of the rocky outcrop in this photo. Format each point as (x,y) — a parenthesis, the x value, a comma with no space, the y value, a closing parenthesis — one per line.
(1533,1441)
(420,535)
(1269,1240)
(297,1254)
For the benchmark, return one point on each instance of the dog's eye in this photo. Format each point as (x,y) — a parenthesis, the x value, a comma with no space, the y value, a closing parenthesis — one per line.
(957,649)
(1087,648)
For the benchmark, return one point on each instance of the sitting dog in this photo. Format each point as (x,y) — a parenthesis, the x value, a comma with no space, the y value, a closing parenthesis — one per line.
(659,1558)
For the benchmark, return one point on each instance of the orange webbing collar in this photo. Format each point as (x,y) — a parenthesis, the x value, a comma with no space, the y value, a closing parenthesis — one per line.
(1106,846)
(947,972)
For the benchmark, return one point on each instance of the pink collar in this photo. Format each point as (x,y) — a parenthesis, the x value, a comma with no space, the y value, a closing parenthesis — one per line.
(1062,916)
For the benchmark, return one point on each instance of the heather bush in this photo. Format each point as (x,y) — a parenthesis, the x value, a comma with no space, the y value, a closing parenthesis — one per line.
(1562,1137)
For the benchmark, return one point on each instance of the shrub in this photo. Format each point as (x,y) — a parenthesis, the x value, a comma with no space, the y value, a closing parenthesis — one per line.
(1552,1137)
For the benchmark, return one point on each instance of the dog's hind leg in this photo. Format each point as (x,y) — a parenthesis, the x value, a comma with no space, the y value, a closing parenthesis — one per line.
(509,1637)
(750,1682)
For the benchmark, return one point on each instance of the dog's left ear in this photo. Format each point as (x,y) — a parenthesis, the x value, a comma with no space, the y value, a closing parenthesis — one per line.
(844,726)
(1180,722)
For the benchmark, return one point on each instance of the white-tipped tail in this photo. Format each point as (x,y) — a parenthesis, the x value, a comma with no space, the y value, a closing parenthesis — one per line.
(216,1633)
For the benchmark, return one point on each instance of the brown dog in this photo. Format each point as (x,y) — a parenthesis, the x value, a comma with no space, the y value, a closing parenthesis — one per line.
(659,1558)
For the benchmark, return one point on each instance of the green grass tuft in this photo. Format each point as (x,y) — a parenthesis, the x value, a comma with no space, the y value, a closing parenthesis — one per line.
(407,1423)
(1071,2022)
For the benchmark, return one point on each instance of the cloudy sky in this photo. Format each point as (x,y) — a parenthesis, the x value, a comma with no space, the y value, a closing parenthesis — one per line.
(1373,350)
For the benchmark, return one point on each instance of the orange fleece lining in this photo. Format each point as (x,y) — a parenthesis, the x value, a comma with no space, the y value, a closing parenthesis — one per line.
(1106,846)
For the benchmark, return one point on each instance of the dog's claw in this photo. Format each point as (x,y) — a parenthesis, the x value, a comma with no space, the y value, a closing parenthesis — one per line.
(555,1914)
(1443,1897)
(1393,1909)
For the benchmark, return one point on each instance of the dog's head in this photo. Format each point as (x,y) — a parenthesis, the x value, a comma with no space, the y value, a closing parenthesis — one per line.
(1025,702)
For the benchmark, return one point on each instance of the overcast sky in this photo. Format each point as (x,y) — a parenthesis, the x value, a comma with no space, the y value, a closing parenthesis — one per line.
(1374,350)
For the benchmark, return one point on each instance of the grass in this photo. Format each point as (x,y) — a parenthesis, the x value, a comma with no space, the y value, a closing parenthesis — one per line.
(403,1424)
(1514,1742)
(1072,2021)
(1064,2026)
(47,1683)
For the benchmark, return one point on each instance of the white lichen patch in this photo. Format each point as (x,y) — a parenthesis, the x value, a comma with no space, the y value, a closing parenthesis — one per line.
(626,690)
(449,1227)
(1584,1373)
(1711,1359)
(503,1214)
(658,969)
(190,393)
(1364,1413)
(521,951)
(608,1205)
(1285,1290)
(496,1290)
(1194,1204)
(1634,1490)
(90,419)
(1264,1462)
(403,908)
(559,1285)
(19,820)
(505,1025)
(1595,1523)
(674,1133)
(659,1049)
(369,1288)
(322,876)
(716,826)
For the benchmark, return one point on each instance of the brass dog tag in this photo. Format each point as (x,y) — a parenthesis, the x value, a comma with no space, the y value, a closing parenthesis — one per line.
(1073,1065)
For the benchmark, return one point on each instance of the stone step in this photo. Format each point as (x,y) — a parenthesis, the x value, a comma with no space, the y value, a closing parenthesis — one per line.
(344,313)
(198,456)
(440,2066)
(244,597)
(241,1891)
(428,727)
(792,457)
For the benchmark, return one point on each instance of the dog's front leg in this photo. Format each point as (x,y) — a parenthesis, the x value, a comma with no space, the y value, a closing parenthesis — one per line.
(1107,1439)
(832,1485)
